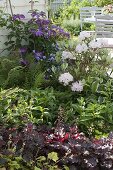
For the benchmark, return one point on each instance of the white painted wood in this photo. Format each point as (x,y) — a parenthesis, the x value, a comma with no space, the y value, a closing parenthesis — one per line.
(56,4)
(89,12)
(104,26)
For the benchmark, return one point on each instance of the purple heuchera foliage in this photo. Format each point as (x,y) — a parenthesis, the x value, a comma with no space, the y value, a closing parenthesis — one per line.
(73,147)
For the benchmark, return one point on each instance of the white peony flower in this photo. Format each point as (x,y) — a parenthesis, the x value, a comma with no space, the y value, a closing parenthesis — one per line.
(81,48)
(83,35)
(66,55)
(95,44)
(77,86)
(65,78)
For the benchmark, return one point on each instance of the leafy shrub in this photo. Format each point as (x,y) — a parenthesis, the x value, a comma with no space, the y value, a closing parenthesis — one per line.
(72,26)
(36,42)
(25,73)
(92,113)
(18,106)
(84,60)
(84,71)
(38,35)
(68,17)
(102,3)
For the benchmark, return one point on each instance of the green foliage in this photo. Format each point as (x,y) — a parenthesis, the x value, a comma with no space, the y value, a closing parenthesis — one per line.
(18,106)
(14,163)
(6,64)
(73,8)
(72,26)
(49,163)
(16,77)
(95,115)
(102,3)
(17,163)
(2,18)
(44,162)
(91,107)
(14,74)
(69,17)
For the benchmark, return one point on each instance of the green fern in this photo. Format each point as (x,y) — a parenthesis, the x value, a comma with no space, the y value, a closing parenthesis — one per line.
(16,77)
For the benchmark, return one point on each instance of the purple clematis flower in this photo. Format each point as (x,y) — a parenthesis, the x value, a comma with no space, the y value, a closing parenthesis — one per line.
(39,33)
(33,31)
(46,22)
(67,35)
(38,55)
(24,62)
(22,50)
(54,26)
(18,17)
(35,14)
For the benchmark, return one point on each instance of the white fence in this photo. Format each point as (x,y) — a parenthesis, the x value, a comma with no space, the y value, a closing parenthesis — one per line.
(56,4)
(22,6)
(18,7)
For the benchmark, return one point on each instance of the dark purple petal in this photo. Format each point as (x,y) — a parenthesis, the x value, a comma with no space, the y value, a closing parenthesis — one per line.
(33,31)
(46,22)
(39,33)
(18,16)
(24,62)
(23,50)
(54,26)
(38,55)
(35,14)
(43,14)
(37,58)
(67,34)
(22,16)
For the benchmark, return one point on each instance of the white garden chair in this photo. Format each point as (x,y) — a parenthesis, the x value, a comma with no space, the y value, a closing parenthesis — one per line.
(87,13)
(104,29)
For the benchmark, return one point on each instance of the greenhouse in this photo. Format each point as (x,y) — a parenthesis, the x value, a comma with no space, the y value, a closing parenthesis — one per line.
(56,85)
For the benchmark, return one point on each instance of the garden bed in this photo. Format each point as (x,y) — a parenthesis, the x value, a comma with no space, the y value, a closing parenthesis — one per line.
(56,98)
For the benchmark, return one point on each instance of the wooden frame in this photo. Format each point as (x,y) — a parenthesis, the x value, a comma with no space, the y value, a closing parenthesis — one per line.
(88,12)
(104,26)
